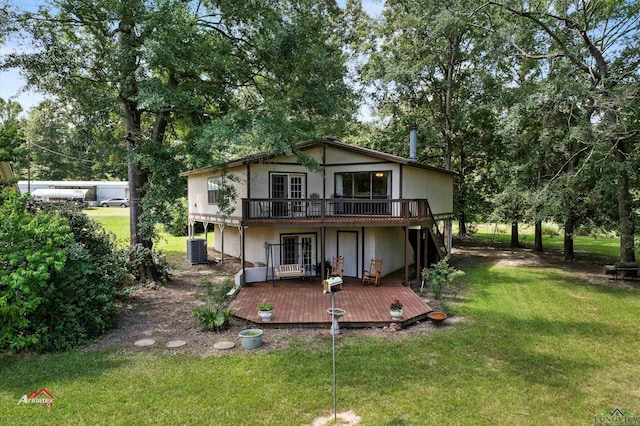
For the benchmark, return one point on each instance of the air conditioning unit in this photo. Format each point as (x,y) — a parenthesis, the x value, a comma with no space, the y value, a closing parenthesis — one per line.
(197,250)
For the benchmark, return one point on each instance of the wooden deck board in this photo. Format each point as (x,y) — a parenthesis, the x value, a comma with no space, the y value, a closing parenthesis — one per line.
(300,303)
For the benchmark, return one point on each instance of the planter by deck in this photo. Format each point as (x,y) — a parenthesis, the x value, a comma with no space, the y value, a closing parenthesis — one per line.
(251,338)
(266,315)
(396,315)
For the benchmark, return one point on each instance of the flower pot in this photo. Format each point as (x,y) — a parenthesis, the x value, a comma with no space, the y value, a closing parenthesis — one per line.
(266,315)
(396,315)
(437,317)
(251,338)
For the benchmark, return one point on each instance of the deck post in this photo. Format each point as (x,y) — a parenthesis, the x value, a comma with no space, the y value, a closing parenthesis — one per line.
(221,226)
(418,254)
(243,280)
(406,264)
(322,253)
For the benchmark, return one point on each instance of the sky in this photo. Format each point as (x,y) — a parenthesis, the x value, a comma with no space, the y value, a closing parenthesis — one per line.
(12,84)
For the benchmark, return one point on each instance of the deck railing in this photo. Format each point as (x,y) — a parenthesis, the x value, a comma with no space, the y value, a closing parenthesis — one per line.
(318,208)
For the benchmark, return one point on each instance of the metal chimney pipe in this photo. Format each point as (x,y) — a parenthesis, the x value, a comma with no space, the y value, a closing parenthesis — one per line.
(413,143)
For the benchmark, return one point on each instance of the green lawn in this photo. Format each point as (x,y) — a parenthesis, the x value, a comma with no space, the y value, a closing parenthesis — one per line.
(606,247)
(116,220)
(536,347)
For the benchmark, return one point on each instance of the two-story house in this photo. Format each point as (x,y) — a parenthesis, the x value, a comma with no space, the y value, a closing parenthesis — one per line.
(360,204)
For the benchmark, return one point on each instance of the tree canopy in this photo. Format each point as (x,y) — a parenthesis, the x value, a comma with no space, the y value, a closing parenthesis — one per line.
(533,105)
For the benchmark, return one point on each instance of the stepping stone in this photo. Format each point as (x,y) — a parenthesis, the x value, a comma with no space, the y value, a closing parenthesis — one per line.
(175,343)
(224,345)
(144,342)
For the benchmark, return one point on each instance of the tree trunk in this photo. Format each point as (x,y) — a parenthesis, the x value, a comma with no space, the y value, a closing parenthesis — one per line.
(626,223)
(462,225)
(569,225)
(462,197)
(128,46)
(515,240)
(537,246)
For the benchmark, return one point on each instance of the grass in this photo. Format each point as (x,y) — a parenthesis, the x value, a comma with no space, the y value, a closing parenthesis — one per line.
(537,347)
(116,220)
(607,248)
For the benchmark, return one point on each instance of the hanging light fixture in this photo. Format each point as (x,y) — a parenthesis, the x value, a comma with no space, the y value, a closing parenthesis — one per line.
(379,174)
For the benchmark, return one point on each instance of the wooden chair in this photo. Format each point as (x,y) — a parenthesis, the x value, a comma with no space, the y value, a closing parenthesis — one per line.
(372,276)
(337,268)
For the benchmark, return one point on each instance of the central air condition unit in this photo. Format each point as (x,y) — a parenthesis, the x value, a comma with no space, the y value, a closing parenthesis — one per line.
(197,250)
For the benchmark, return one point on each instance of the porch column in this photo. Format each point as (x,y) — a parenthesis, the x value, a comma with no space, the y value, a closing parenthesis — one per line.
(243,280)
(322,252)
(449,235)
(406,264)
(418,254)
(221,226)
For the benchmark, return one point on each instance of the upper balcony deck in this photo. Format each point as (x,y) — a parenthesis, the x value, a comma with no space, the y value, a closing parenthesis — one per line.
(335,211)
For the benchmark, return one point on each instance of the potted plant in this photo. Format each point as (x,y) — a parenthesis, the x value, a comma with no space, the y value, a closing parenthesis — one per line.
(320,265)
(396,309)
(251,338)
(265,310)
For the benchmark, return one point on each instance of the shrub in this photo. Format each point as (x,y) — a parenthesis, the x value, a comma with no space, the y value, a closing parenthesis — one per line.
(217,295)
(440,277)
(142,263)
(212,319)
(178,223)
(59,276)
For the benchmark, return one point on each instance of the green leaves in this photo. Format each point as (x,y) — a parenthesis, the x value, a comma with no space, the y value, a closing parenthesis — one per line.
(59,273)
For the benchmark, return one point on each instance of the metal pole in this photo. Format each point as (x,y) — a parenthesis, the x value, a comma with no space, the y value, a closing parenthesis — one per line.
(333,335)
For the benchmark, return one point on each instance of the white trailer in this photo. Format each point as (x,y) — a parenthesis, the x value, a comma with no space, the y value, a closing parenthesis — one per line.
(60,195)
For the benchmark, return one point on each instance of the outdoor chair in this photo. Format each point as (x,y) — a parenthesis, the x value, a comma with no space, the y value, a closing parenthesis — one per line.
(337,268)
(372,275)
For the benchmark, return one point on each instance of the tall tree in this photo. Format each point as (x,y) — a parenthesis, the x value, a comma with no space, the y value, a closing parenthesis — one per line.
(11,138)
(598,40)
(246,72)
(427,65)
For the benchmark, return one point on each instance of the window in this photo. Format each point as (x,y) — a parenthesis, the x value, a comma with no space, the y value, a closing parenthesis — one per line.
(213,187)
(363,185)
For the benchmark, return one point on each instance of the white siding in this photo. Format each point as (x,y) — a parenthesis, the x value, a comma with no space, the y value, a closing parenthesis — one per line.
(386,244)
(435,187)
(198,195)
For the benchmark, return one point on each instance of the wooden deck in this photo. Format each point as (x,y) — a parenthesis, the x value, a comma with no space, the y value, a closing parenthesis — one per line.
(301,303)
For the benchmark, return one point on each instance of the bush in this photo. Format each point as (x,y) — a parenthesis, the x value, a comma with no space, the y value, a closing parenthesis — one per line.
(212,319)
(59,276)
(143,263)
(178,223)
(440,277)
(217,295)
(212,316)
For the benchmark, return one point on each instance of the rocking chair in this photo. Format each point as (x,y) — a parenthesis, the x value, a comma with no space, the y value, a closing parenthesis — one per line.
(337,268)
(372,276)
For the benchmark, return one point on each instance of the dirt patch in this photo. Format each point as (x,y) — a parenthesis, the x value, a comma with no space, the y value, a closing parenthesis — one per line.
(346,418)
(163,312)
